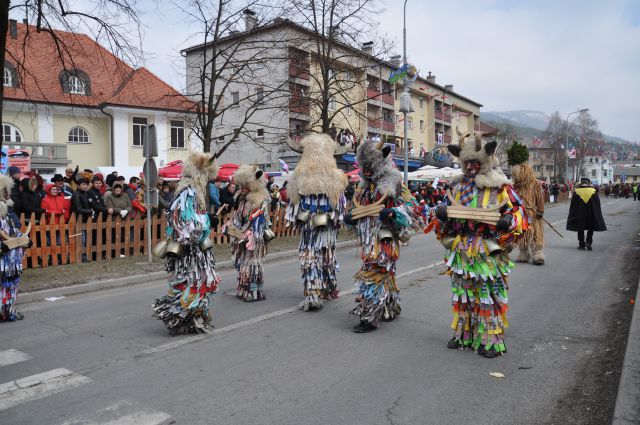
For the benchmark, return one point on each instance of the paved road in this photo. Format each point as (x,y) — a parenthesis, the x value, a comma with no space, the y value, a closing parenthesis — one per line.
(100,358)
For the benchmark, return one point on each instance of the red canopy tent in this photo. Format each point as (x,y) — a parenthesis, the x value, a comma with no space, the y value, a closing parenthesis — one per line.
(173,171)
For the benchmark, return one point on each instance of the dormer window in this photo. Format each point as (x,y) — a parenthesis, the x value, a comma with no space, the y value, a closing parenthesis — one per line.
(10,77)
(75,82)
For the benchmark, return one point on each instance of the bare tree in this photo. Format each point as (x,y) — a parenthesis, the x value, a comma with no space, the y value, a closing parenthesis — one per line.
(113,23)
(556,134)
(339,76)
(588,136)
(230,74)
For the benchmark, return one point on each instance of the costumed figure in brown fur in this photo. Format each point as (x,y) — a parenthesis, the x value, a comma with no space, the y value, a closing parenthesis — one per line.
(385,214)
(526,185)
(316,208)
(247,227)
(189,256)
(485,218)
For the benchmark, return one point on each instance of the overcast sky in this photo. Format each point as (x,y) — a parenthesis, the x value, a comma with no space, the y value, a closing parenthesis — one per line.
(544,55)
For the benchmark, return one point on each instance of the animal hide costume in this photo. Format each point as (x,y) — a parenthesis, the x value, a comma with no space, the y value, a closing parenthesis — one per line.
(251,219)
(476,254)
(10,259)
(526,185)
(190,260)
(379,234)
(316,191)
(585,214)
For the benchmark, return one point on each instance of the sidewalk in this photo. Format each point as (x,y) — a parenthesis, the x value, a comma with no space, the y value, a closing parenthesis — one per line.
(627,410)
(72,279)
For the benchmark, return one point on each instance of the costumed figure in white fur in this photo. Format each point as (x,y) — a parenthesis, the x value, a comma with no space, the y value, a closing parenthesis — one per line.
(385,214)
(531,193)
(189,256)
(250,220)
(477,244)
(10,259)
(316,208)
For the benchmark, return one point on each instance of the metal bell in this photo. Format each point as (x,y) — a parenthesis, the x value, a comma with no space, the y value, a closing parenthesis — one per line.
(174,249)
(160,250)
(303,215)
(447,241)
(319,220)
(493,246)
(268,235)
(385,234)
(206,244)
(404,236)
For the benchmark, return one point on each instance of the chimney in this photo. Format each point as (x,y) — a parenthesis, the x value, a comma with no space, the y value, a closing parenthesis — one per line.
(431,78)
(250,19)
(25,21)
(448,87)
(13,28)
(368,47)
(395,61)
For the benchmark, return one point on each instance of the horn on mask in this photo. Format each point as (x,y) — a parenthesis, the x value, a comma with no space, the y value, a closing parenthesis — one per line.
(380,144)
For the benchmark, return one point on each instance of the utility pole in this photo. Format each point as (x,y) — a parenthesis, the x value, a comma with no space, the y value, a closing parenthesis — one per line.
(566,152)
(406,95)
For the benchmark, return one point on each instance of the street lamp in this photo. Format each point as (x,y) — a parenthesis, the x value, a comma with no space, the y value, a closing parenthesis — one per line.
(406,90)
(566,152)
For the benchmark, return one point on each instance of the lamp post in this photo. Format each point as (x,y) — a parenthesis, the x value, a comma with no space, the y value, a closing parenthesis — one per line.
(406,90)
(566,153)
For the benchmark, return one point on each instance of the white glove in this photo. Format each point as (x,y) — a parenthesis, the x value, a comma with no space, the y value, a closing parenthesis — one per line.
(123,213)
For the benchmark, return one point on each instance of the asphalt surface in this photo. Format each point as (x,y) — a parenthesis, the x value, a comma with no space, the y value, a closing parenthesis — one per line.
(269,363)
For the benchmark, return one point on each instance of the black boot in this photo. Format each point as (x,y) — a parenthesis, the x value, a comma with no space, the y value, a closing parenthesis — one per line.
(363,328)
(589,247)
(581,246)
(454,343)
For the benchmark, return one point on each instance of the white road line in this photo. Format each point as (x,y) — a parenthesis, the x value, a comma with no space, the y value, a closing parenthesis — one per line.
(558,222)
(258,319)
(12,356)
(136,418)
(38,386)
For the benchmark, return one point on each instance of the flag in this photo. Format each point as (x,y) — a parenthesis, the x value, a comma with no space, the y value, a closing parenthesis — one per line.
(398,74)
(283,165)
(440,138)
(571,152)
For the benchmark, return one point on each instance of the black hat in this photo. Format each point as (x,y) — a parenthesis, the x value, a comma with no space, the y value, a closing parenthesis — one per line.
(82,180)
(585,180)
(57,178)
(165,183)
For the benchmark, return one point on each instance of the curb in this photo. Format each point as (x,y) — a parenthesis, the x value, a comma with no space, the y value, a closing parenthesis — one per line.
(99,285)
(627,410)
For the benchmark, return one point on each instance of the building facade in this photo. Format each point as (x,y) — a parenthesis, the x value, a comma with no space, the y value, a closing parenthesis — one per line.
(86,108)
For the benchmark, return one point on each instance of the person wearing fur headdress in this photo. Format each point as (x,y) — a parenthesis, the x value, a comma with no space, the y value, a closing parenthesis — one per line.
(526,185)
(10,259)
(251,220)
(477,246)
(189,257)
(316,208)
(385,214)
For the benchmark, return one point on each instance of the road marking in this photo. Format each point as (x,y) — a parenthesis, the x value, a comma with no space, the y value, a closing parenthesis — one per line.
(12,356)
(136,418)
(258,319)
(555,223)
(38,386)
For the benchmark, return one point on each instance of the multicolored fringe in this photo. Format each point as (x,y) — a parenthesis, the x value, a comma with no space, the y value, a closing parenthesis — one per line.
(378,295)
(248,258)
(185,308)
(10,271)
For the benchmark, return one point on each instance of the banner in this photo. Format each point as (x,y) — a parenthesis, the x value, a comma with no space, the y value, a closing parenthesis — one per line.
(440,138)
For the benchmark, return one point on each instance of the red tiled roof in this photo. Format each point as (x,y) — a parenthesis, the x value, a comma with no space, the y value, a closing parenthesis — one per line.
(112,81)
(486,128)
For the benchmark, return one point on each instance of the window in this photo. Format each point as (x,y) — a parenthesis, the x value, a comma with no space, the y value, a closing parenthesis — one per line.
(11,134)
(221,139)
(536,168)
(593,173)
(235,97)
(236,132)
(78,135)
(7,80)
(421,104)
(77,85)
(260,133)
(397,119)
(421,123)
(332,103)
(548,167)
(604,173)
(348,108)
(410,123)
(177,134)
(348,76)
(75,82)
(138,130)
(259,94)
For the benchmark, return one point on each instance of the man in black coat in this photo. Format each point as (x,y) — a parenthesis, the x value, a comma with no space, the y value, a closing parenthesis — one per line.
(82,201)
(585,214)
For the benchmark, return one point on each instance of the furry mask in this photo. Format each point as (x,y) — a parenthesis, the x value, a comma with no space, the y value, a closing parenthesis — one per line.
(376,166)
(6,184)
(198,170)
(316,171)
(250,177)
(482,152)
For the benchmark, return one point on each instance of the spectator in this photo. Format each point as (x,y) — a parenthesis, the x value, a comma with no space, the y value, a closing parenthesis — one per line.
(97,200)
(63,190)
(88,175)
(100,177)
(55,206)
(111,177)
(118,203)
(350,191)
(70,178)
(214,195)
(81,201)
(40,185)
(270,181)
(284,197)
(165,198)
(132,188)
(14,172)
(30,199)
(274,193)
(227,196)
(137,206)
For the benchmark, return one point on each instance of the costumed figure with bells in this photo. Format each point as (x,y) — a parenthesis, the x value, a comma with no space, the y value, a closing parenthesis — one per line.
(188,252)
(316,208)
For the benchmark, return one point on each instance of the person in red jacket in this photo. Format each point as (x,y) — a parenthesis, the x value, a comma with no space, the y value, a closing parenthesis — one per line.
(55,205)
(138,205)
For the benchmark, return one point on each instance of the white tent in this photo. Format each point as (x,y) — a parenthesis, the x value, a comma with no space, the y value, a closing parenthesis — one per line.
(432,173)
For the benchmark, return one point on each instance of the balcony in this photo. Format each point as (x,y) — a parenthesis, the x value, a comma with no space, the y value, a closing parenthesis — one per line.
(438,115)
(43,155)
(447,139)
(387,98)
(299,105)
(388,126)
(373,93)
(374,123)
(299,69)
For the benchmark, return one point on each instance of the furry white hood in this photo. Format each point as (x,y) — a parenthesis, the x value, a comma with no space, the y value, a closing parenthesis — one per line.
(483,152)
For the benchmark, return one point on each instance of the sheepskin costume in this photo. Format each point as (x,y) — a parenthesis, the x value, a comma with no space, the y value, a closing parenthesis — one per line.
(251,217)
(193,278)
(530,191)
(476,255)
(379,235)
(10,260)
(316,190)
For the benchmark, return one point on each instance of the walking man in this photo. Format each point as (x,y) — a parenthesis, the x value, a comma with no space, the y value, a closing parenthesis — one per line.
(585,214)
